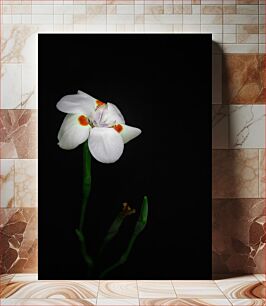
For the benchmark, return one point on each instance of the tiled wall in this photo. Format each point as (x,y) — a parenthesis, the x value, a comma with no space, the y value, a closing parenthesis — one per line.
(238,28)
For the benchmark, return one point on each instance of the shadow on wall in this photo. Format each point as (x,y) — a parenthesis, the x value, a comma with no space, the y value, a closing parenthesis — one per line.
(239,215)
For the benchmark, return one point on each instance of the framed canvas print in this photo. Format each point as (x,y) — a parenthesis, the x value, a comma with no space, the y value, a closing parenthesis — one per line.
(124,156)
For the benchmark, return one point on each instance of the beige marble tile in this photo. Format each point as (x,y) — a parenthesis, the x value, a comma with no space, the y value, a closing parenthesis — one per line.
(11,86)
(247,38)
(5,279)
(184,302)
(242,287)
(246,126)
(235,173)
(28,86)
(248,29)
(262,170)
(26,183)
(211,9)
(44,302)
(18,44)
(153,9)
(117,302)
(247,9)
(260,277)
(7,179)
(220,124)
(25,277)
(51,289)
(240,49)
(118,289)
(197,289)
(156,289)
(248,302)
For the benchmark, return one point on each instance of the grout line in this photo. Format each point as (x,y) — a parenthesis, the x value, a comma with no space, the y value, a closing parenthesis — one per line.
(175,289)
(138,291)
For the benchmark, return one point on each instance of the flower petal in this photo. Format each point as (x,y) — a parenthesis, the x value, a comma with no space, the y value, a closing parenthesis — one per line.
(97,103)
(105,144)
(127,132)
(72,132)
(114,114)
(107,116)
(76,104)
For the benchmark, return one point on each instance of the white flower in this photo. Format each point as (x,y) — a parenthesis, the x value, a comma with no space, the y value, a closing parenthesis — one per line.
(101,123)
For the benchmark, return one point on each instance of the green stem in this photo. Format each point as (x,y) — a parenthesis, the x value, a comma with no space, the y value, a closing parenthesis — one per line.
(86,188)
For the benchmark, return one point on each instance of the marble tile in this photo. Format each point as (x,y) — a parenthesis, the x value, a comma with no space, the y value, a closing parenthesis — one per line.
(216,78)
(247,38)
(211,19)
(26,183)
(247,1)
(18,43)
(7,180)
(183,302)
(10,86)
(248,29)
(117,302)
(163,19)
(5,279)
(51,290)
(247,9)
(211,9)
(242,49)
(246,126)
(220,125)
(118,289)
(235,173)
(243,79)
(156,289)
(262,171)
(197,289)
(18,235)
(238,236)
(25,277)
(28,86)
(260,277)
(245,287)
(44,302)
(18,133)
(229,38)
(248,302)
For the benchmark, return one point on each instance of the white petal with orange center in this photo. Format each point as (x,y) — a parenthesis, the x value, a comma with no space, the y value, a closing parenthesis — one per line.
(73,131)
(127,132)
(105,144)
(97,103)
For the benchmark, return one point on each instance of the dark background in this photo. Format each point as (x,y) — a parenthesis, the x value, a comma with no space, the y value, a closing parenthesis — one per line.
(162,84)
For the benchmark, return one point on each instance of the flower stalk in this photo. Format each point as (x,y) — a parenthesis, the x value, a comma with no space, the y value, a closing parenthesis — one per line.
(86,188)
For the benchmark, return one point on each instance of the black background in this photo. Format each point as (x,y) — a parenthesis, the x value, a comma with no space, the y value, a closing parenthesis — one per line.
(162,84)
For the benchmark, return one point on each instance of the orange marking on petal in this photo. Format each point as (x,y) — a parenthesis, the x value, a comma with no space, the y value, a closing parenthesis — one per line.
(99,103)
(83,120)
(118,128)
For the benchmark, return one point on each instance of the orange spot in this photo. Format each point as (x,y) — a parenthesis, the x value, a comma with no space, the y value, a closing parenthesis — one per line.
(83,120)
(118,128)
(99,103)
